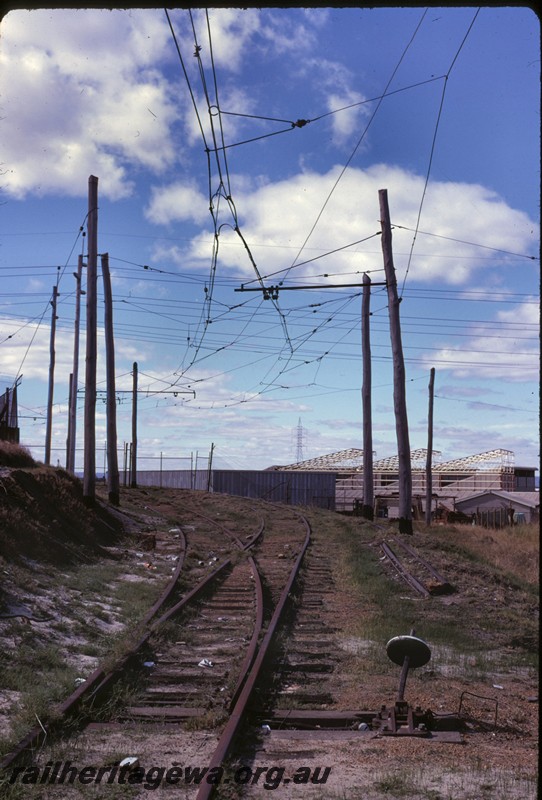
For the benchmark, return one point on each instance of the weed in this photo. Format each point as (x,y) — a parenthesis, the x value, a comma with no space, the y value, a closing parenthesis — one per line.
(213,718)
(396,785)
(89,649)
(134,597)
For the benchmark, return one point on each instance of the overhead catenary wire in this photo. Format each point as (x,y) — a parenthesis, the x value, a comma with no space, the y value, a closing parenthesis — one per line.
(229,315)
(433,145)
(358,144)
(301,123)
(222,191)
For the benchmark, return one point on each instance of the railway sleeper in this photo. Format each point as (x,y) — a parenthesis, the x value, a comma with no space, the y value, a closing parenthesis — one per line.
(168,677)
(240,603)
(309,644)
(316,627)
(304,655)
(317,667)
(167,714)
(169,698)
(307,698)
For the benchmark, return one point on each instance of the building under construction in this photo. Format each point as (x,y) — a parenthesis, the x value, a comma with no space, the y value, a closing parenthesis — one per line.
(492,470)
(335,481)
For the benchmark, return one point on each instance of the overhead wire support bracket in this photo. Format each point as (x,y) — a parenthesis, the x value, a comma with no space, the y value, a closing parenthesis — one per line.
(175,392)
(272,292)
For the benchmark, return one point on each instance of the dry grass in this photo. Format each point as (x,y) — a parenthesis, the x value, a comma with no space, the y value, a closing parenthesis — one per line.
(15,455)
(515,550)
(43,517)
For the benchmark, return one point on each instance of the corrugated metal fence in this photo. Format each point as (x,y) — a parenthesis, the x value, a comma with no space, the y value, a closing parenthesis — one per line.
(292,488)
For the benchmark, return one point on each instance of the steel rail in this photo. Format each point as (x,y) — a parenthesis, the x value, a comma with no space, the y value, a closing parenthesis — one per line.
(100,680)
(404,573)
(429,567)
(238,712)
(253,646)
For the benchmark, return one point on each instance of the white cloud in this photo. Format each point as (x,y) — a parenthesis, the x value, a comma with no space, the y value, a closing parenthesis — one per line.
(231,31)
(318,17)
(276,217)
(347,121)
(28,351)
(226,128)
(523,314)
(178,201)
(80,97)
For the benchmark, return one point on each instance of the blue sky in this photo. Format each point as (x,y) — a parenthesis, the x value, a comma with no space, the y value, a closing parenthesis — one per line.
(455,141)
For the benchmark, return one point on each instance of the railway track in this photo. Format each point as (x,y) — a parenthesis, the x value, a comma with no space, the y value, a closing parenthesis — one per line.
(195,666)
(241,642)
(413,569)
(235,684)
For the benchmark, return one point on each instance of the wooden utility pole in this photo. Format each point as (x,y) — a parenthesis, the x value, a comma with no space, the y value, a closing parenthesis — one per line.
(429,462)
(49,426)
(210,466)
(399,388)
(133,450)
(74,380)
(367,509)
(89,475)
(112,459)
(68,433)
(125,464)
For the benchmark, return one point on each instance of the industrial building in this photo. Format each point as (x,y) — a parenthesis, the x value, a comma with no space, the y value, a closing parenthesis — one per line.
(335,482)
(452,481)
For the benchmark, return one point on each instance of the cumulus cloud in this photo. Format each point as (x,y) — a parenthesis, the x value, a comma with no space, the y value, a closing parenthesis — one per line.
(346,114)
(524,314)
(28,350)
(178,201)
(231,31)
(276,218)
(81,95)
(102,92)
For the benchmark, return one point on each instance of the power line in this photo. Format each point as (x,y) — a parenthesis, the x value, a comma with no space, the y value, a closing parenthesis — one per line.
(462,241)
(433,145)
(358,144)
(301,123)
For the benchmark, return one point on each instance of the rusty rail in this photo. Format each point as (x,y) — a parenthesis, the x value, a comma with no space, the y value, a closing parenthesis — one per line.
(403,572)
(237,714)
(429,567)
(100,680)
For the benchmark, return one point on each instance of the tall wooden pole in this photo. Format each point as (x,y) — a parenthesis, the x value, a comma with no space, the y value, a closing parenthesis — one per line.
(49,426)
(399,388)
(72,417)
(68,433)
(125,463)
(89,475)
(133,451)
(368,483)
(210,467)
(429,462)
(112,459)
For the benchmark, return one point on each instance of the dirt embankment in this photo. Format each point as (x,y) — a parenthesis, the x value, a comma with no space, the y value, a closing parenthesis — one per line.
(43,517)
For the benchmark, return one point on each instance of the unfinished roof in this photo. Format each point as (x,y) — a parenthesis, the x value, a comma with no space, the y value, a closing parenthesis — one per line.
(334,462)
(418,460)
(490,461)
(351,460)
